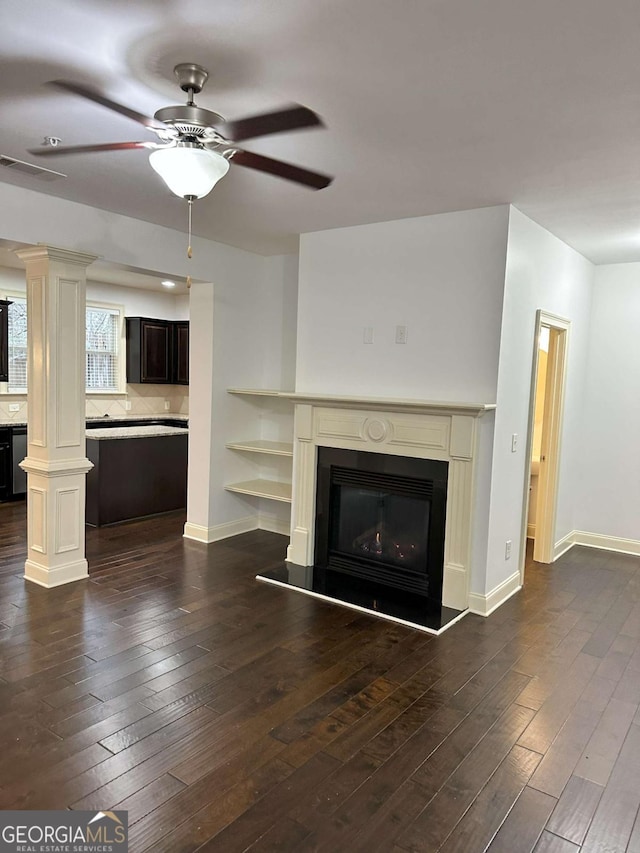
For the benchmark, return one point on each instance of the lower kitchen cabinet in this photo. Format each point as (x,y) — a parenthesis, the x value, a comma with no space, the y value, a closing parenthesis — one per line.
(135,477)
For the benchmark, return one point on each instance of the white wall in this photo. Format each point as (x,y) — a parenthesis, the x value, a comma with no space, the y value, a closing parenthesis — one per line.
(609,495)
(441,276)
(29,217)
(140,303)
(542,272)
(136,302)
(243,336)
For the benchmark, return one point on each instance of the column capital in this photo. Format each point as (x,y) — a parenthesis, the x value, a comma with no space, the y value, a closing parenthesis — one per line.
(43,251)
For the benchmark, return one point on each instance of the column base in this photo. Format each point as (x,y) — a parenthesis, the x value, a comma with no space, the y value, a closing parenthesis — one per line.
(57,575)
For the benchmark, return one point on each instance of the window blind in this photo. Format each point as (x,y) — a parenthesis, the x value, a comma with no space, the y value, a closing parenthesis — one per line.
(17,316)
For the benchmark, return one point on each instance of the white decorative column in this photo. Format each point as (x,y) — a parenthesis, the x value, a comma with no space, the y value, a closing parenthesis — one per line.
(56,462)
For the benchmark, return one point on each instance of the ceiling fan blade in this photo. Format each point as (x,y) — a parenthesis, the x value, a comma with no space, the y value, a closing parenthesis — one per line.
(87,149)
(99,98)
(291,118)
(314,180)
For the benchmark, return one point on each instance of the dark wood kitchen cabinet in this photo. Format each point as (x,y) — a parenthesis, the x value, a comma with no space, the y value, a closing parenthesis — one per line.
(157,351)
(181,352)
(4,340)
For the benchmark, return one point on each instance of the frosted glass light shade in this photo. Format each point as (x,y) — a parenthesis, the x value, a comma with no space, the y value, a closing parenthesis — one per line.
(189,171)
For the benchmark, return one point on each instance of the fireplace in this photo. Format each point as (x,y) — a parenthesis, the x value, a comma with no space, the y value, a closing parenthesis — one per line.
(381,519)
(440,436)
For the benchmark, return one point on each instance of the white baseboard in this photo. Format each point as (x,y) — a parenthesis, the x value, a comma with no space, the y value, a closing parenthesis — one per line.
(220,531)
(607,543)
(531,531)
(483,605)
(596,540)
(274,523)
(563,545)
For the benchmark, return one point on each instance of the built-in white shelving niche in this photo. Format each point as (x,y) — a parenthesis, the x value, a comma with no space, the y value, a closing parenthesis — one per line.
(268,443)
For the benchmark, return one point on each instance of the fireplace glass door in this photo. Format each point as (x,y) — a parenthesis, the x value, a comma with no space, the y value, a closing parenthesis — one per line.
(381,519)
(378,525)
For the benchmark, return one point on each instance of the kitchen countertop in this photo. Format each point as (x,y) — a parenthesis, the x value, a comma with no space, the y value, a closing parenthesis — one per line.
(164,416)
(141,431)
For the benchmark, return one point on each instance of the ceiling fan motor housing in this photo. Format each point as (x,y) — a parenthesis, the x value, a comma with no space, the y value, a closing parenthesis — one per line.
(189,119)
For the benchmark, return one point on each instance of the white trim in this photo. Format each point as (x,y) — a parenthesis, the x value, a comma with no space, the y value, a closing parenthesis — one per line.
(484,605)
(57,575)
(531,531)
(563,545)
(357,607)
(273,523)
(220,531)
(606,543)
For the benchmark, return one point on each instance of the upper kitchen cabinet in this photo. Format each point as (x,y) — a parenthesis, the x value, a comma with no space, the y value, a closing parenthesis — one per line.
(157,351)
(181,352)
(4,340)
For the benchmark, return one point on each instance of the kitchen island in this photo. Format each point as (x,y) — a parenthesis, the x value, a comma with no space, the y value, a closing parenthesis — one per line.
(139,470)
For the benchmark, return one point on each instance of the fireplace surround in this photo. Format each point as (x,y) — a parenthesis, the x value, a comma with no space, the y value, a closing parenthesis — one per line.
(413,429)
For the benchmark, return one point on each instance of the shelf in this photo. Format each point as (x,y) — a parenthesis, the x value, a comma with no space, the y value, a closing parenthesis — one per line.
(260,392)
(275,448)
(263,489)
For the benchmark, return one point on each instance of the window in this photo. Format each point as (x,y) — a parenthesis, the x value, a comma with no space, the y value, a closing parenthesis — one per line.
(103,348)
(103,327)
(17,346)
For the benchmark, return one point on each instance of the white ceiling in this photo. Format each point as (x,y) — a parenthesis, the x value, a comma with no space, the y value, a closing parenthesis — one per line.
(430,106)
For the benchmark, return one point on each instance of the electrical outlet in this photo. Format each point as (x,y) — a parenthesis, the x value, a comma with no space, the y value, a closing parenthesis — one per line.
(167,405)
(507,549)
(367,335)
(401,334)
(14,407)
(514,442)
(127,405)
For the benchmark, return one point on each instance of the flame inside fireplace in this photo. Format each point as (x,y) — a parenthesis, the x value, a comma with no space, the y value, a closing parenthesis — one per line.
(375,544)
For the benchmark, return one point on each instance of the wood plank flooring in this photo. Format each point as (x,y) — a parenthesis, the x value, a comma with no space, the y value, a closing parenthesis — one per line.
(229,715)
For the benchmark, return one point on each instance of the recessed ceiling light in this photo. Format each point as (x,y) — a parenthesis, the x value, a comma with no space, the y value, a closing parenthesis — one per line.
(167,283)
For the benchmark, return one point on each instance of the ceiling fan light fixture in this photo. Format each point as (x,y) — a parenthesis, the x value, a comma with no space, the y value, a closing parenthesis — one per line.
(189,171)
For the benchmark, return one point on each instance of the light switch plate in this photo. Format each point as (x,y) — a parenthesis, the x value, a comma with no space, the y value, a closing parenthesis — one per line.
(401,334)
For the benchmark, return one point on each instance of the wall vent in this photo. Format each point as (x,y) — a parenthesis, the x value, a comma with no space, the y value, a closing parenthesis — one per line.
(29,169)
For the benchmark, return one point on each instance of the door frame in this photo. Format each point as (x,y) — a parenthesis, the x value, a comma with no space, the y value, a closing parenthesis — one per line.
(546,508)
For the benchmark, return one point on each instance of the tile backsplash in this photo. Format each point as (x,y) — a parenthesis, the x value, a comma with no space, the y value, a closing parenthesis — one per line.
(144,400)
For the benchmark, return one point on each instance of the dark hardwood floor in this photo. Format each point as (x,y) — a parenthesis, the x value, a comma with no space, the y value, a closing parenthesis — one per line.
(229,715)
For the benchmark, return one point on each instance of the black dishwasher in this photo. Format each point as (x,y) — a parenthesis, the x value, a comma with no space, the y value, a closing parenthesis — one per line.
(18,453)
(5,463)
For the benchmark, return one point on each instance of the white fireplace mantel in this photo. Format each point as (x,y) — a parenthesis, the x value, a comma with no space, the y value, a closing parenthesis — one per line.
(389,404)
(420,429)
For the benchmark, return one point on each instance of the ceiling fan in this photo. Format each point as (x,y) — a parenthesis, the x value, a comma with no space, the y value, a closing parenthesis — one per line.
(195,145)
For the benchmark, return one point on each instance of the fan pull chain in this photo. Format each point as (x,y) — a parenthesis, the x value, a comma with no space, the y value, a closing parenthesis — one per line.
(189,252)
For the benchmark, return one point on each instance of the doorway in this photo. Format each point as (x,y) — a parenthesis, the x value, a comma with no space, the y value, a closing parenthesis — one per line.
(544,436)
